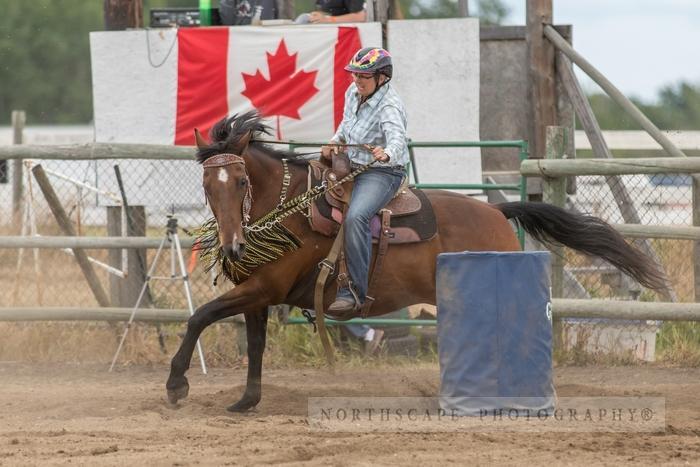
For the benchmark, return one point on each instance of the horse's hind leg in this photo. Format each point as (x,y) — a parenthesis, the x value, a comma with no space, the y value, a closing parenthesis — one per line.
(256,330)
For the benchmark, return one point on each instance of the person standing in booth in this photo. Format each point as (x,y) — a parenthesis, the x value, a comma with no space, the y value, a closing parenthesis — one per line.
(335,11)
(242,12)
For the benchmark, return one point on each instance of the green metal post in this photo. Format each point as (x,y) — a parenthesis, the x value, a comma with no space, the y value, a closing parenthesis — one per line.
(524,153)
(205,12)
(370,322)
(412,157)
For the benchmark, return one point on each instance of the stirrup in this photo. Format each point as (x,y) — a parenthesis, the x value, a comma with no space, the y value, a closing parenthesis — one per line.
(358,305)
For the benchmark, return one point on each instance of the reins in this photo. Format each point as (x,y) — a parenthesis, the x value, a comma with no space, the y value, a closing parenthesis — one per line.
(283,209)
(267,238)
(365,146)
(301,202)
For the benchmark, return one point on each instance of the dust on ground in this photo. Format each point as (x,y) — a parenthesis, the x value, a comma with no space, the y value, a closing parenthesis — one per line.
(62,414)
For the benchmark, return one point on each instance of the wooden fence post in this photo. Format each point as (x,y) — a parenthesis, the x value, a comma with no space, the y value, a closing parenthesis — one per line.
(18,121)
(286,9)
(542,79)
(123,292)
(122,14)
(68,229)
(381,11)
(554,192)
(463,8)
(696,243)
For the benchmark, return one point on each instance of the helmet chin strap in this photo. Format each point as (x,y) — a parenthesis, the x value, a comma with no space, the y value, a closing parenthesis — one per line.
(377,84)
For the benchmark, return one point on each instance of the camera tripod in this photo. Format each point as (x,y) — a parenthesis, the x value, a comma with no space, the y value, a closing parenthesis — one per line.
(175,254)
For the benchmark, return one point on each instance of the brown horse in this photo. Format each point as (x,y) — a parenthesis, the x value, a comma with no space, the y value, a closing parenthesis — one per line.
(251,183)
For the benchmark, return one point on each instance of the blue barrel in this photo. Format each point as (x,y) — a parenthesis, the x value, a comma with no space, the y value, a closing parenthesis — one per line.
(495,332)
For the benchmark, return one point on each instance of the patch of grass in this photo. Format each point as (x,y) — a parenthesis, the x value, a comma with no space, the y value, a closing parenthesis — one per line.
(293,345)
(95,342)
(678,343)
(298,345)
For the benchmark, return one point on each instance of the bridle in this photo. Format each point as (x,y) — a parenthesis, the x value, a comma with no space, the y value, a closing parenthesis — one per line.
(222,160)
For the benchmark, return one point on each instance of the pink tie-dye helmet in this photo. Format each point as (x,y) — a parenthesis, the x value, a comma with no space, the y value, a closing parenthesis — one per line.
(372,60)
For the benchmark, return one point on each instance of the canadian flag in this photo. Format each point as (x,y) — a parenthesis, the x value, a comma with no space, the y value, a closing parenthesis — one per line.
(293,76)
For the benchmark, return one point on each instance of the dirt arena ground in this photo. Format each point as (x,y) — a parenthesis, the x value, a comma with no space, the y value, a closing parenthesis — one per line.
(81,415)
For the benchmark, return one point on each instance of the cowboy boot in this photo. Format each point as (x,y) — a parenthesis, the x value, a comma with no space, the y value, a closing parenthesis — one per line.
(345,302)
(341,306)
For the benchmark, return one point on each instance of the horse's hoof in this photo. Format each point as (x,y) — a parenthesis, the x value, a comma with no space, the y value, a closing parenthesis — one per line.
(178,393)
(242,405)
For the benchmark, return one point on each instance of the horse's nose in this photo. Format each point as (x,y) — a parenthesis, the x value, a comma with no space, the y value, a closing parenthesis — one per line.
(234,251)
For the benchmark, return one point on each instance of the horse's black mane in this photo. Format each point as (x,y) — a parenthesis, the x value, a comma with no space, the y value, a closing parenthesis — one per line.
(228,131)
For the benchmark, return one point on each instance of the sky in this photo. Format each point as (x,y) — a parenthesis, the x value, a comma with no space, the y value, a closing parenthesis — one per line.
(639,45)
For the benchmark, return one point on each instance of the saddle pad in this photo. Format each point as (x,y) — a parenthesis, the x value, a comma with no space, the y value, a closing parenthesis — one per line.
(422,222)
(416,227)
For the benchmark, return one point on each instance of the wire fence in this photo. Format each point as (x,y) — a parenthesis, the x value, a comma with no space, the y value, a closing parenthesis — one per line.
(169,187)
(660,199)
(50,277)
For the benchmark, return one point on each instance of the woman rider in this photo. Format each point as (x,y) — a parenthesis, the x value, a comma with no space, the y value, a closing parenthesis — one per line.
(374,115)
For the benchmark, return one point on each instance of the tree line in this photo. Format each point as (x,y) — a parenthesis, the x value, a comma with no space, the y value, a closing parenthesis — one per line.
(45,65)
(677,107)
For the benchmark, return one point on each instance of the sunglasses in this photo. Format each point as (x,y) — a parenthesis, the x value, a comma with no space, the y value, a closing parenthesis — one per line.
(362,75)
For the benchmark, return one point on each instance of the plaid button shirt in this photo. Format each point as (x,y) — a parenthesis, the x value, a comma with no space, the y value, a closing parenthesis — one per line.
(380,121)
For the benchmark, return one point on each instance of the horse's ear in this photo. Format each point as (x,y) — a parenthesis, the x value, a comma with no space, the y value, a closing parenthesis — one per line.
(242,144)
(199,139)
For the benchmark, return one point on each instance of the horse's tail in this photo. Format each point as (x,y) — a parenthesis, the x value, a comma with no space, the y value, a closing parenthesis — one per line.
(587,234)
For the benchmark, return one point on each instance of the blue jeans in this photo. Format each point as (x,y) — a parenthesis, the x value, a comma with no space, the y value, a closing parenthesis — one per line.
(373,189)
(358,330)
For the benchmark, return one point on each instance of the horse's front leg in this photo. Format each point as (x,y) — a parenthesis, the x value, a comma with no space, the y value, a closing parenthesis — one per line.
(239,300)
(256,331)
(177,384)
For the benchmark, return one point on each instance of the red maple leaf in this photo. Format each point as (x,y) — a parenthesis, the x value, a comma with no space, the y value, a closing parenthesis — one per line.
(286,90)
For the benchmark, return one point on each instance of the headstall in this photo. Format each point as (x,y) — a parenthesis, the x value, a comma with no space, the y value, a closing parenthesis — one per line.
(222,160)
